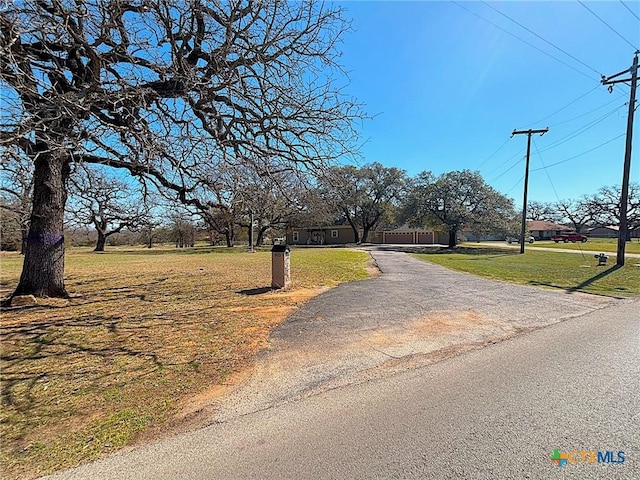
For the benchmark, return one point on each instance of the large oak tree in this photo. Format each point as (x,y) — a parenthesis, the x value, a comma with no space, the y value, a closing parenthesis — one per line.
(365,196)
(456,200)
(165,89)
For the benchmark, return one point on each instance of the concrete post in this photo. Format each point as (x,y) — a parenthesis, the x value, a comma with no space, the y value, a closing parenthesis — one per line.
(280,267)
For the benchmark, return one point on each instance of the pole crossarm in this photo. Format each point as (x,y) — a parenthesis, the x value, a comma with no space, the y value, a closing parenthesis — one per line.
(608,80)
(541,131)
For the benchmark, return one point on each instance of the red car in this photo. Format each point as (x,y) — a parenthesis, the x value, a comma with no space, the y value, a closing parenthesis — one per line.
(569,237)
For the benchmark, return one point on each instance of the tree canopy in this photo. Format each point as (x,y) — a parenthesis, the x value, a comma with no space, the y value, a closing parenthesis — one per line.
(169,91)
(365,196)
(455,200)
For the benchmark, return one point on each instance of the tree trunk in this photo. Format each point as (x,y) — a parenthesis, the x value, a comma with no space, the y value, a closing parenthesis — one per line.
(43,268)
(23,244)
(260,237)
(229,237)
(453,237)
(356,234)
(367,226)
(102,239)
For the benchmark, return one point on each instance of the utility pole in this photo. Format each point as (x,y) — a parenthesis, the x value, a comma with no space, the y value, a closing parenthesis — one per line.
(251,231)
(523,227)
(623,232)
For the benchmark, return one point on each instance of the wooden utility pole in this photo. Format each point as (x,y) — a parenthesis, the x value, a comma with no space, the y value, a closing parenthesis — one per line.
(251,231)
(523,227)
(623,232)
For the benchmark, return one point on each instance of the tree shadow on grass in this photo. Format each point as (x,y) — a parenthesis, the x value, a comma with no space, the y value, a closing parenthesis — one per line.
(582,285)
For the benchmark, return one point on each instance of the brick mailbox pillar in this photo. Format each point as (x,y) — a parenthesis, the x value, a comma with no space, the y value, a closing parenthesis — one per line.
(280,267)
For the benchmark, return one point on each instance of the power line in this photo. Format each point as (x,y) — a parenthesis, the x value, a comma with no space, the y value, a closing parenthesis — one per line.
(493,154)
(587,113)
(569,104)
(610,27)
(506,171)
(519,152)
(514,186)
(542,38)
(522,40)
(630,11)
(580,154)
(568,137)
(553,187)
(581,130)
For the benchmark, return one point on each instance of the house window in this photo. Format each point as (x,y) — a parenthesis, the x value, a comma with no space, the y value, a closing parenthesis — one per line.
(296,237)
(334,233)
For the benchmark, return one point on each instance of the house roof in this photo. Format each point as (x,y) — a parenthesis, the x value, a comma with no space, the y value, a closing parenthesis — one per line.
(540,225)
(607,227)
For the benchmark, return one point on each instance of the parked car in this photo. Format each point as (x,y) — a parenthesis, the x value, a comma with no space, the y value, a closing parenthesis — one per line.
(529,239)
(569,237)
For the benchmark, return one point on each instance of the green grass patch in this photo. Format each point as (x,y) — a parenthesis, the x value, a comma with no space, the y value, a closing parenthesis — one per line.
(594,244)
(144,332)
(567,271)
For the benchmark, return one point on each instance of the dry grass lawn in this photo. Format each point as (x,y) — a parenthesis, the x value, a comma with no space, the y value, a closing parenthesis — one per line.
(144,332)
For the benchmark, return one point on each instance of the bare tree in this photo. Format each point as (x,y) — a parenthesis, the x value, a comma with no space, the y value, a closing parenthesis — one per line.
(106,203)
(16,190)
(578,213)
(605,206)
(544,211)
(272,202)
(167,90)
(183,229)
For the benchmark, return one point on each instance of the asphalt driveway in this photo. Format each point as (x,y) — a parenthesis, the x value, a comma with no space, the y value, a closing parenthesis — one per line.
(412,314)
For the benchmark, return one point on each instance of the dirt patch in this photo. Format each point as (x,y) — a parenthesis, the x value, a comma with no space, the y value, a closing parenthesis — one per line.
(373,270)
(444,323)
(143,347)
(434,327)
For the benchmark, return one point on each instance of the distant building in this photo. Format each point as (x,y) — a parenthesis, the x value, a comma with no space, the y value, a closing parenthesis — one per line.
(321,235)
(542,230)
(343,234)
(414,236)
(608,231)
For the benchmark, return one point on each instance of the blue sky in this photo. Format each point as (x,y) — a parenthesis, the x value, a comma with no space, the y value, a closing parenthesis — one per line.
(447,89)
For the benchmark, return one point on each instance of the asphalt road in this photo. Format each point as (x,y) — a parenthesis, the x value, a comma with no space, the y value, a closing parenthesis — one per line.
(495,412)
(380,379)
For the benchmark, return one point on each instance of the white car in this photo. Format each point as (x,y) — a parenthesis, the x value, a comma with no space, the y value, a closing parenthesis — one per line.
(530,239)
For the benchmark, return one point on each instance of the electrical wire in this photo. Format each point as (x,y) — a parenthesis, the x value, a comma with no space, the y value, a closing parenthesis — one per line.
(506,171)
(493,154)
(587,113)
(522,40)
(630,11)
(567,105)
(553,187)
(580,154)
(610,27)
(514,186)
(519,152)
(581,130)
(543,39)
